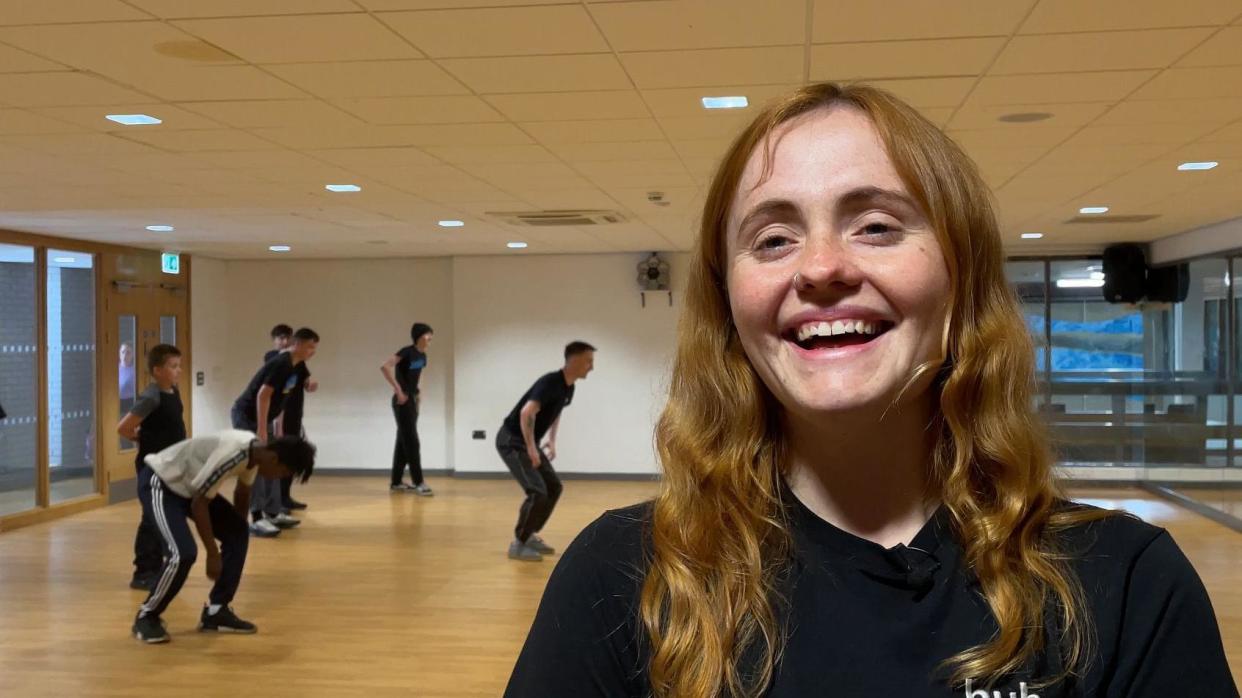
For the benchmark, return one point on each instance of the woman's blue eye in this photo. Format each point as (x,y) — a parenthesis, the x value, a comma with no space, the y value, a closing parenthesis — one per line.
(878,229)
(773,242)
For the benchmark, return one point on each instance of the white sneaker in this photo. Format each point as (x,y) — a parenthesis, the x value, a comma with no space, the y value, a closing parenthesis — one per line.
(283,520)
(264,529)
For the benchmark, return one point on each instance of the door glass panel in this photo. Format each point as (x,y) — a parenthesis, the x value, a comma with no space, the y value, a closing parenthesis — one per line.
(19,379)
(127,368)
(70,374)
(168,329)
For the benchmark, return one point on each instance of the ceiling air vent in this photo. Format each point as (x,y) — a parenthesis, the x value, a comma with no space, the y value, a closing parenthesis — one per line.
(547,219)
(1137,218)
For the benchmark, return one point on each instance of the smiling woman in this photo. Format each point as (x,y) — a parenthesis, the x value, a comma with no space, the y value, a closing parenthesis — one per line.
(858,499)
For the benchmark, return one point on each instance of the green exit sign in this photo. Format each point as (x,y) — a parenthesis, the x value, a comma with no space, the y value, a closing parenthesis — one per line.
(170,263)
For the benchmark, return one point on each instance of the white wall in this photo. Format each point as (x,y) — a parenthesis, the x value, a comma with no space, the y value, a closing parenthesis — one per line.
(513,318)
(362,310)
(500,323)
(1218,237)
(209,333)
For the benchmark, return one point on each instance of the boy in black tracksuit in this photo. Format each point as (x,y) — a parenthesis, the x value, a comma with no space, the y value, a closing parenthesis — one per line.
(155,422)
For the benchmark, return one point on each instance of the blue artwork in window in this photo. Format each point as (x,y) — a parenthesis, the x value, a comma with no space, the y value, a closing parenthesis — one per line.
(1092,346)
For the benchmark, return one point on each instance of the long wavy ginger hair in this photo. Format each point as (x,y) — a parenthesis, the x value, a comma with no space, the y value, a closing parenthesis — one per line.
(709,601)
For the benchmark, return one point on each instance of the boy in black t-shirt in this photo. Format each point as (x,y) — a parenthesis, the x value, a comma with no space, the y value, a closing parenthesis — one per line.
(289,421)
(536,414)
(155,421)
(404,371)
(254,409)
(282,334)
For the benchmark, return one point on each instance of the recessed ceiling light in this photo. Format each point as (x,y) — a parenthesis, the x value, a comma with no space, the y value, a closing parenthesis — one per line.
(343,187)
(64,260)
(133,119)
(725,103)
(517,245)
(1193,166)
(451,224)
(1080,283)
(1024,117)
(1093,210)
(1032,236)
(160,228)
(279,248)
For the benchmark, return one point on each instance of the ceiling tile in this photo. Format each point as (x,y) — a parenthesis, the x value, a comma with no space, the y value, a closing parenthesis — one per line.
(899,59)
(1174,111)
(1031,135)
(592,131)
(608,152)
(1056,53)
(1158,134)
(78,144)
(836,21)
(371,79)
(687,101)
(92,118)
(1194,83)
(391,5)
(274,113)
(976,116)
(1225,48)
(61,89)
(192,141)
(20,121)
(712,67)
(291,39)
(389,136)
(518,31)
(570,106)
(184,9)
(421,110)
(928,93)
(240,82)
(17,61)
(270,161)
(480,154)
(539,73)
(43,12)
(123,51)
(367,160)
(710,125)
(703,148)
(1061,87)
(1109,15)
(693,24)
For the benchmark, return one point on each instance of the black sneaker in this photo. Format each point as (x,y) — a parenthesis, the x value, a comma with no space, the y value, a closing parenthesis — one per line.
(294,505)
(224,621)
(149,629)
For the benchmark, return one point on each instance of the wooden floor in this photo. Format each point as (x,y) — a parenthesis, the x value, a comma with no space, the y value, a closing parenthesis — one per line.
(375,595)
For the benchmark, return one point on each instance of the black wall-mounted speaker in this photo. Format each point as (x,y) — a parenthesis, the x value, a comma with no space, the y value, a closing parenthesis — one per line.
(1125,273)
(1169,284)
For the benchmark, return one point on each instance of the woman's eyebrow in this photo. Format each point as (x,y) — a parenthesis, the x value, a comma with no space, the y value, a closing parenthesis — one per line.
(769,208)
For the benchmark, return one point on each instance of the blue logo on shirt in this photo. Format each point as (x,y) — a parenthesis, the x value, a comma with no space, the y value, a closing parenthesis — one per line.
(291,384)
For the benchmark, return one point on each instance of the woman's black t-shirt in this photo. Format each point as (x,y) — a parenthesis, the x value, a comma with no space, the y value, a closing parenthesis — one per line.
(867,622)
